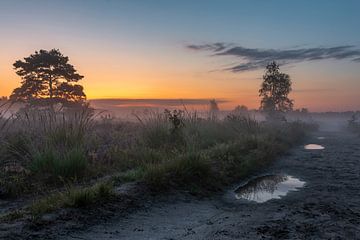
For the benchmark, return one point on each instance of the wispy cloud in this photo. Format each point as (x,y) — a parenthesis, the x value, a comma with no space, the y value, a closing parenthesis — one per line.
(254,58)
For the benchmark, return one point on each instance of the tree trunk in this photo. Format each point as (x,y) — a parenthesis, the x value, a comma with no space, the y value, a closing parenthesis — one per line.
(50,88)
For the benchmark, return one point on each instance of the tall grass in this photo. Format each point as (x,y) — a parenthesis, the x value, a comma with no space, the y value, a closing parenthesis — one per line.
(171,149)
(66,164)
(49,142)
(212,151)
(186,170)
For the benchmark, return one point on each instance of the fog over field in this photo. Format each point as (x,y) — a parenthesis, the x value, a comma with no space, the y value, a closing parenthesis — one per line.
(127,108)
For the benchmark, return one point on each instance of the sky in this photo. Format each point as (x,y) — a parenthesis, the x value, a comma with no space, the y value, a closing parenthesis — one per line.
(167,49)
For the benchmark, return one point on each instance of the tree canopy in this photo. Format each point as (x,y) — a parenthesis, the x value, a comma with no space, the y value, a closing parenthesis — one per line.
(48,78)
(275,89)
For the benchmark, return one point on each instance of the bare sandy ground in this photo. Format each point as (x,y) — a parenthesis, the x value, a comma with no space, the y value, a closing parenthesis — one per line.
(326,208)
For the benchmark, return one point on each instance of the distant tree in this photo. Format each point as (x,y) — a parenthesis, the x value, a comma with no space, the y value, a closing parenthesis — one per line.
(213,109)
(47,79)
(213,105)
(304,111)
(274,91)
(241,108)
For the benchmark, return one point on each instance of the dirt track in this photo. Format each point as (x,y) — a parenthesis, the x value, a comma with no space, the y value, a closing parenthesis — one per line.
(326,208)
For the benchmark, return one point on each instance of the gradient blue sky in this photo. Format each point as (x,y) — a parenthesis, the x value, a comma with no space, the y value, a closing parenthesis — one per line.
(137,49)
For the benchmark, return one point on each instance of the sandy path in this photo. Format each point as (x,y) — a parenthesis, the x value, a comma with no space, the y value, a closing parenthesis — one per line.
(326,208)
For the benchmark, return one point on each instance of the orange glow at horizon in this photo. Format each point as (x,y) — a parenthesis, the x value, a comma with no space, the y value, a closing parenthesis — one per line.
(113,77)
(136,77)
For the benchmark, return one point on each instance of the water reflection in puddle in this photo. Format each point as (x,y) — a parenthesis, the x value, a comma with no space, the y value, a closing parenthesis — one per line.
(268,187)
(314,147)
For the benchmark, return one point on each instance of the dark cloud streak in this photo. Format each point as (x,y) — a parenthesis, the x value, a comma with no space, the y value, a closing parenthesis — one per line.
(154,101)
(254,58)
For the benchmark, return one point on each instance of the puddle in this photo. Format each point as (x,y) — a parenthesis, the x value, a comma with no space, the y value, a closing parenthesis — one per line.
(268,187)
(314,147)
(321,138)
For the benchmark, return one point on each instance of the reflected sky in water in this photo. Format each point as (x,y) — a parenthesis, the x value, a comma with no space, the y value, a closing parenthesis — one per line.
(314,147)
(268,187)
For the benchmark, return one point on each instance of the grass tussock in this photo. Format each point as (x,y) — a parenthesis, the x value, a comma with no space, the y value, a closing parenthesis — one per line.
(69,164)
